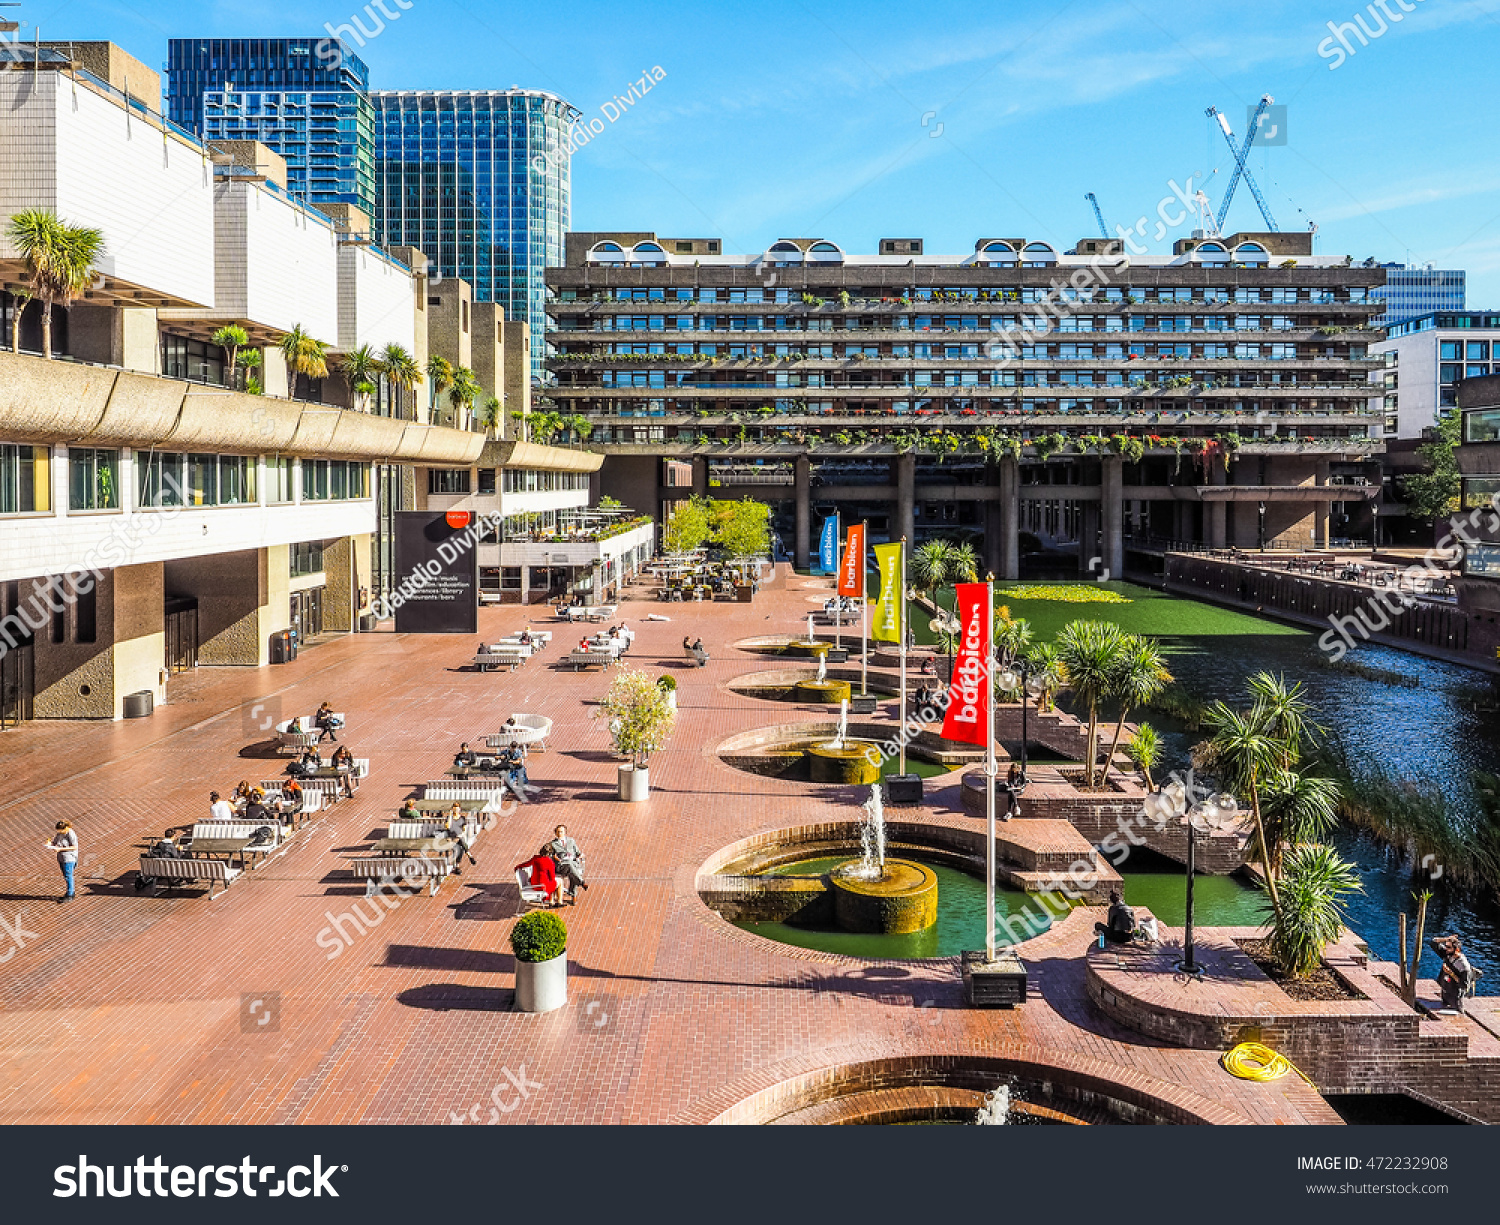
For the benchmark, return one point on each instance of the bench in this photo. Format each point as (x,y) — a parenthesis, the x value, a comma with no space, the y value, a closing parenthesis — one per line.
(214,871)
(590,659)
(528,731)
(386,869)
(697,655)
(307,738)
(501,657)
(446,790)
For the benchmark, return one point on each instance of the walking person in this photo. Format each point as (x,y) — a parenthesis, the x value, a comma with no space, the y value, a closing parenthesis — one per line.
(65,843)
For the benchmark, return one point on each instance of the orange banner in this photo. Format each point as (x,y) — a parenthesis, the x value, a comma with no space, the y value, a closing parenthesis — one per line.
(852,566)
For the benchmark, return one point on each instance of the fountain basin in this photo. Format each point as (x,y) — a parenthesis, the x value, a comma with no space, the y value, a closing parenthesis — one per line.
(806,648)
(903,899)
(854,761)
(830,692)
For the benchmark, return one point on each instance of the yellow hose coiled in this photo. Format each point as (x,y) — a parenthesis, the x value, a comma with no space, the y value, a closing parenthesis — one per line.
(1253,1061)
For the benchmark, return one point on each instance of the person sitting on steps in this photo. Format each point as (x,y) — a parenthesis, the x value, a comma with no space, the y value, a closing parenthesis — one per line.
(1119,927)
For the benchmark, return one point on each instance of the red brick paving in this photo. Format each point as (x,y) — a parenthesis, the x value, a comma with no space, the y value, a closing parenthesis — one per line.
(127,1007)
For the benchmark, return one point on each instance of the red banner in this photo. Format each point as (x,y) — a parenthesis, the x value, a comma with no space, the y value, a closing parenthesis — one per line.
(967,717)
(852,566)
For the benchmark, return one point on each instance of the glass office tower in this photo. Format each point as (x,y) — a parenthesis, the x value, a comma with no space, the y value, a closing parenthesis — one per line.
(306,98)
(1409,291)
(479,181)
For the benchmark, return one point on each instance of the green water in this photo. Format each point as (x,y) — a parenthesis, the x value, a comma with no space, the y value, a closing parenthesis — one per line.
(1219,901)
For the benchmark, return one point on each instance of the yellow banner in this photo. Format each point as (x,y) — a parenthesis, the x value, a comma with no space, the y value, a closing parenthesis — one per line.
(886,626)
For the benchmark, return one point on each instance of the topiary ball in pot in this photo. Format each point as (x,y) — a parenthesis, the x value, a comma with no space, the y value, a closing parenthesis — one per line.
(667,683)
(539,936)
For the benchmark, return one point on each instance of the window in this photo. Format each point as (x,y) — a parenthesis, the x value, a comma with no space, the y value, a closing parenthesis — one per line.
(447,480)
(93,479)
(279,486)
(1476,350)
(1451,350)
(25,480)
(305,558)
(486,480)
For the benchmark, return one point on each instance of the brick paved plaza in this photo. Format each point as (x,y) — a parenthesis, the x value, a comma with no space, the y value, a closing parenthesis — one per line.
(125,1007)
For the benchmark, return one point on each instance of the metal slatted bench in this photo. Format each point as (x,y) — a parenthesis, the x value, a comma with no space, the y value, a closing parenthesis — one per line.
(214,871)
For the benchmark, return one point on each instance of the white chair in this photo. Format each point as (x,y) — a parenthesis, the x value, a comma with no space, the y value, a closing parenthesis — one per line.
(529,896)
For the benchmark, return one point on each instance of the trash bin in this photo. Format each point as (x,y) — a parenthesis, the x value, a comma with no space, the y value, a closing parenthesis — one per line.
(283,647)
(367,623)
(139,705)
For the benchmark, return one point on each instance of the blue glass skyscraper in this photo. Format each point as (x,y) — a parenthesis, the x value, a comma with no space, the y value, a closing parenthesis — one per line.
(480,182)
(1410,291)
(306,98)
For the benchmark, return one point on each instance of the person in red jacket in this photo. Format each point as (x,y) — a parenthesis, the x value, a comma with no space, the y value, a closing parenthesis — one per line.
(543,874)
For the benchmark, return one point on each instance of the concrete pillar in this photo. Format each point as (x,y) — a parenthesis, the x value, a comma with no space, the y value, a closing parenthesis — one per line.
(700,476)
(276,380)
(1009,531)
(906,498)
(1088,537)
(1217,512)
(802,546)
(346,563)
(1112,517)
(1321,509)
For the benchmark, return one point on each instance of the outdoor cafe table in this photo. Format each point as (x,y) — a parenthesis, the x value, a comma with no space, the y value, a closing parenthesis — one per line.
(227,847)
(470,805)
(416,846)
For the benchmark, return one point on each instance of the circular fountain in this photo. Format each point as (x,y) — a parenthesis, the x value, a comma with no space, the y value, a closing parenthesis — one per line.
(880,895)
(809,645)
(842,760)
(820,688)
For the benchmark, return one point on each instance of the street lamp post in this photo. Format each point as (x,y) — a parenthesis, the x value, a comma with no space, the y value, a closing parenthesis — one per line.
(1020,674)
(1262,527)
(1171,804)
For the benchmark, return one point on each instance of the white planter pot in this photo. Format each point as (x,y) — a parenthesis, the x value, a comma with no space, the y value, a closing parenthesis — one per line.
(635,783)
(542,986)
(671,698)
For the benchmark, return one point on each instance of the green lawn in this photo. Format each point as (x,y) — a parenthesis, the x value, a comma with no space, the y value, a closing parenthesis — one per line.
(1149,612)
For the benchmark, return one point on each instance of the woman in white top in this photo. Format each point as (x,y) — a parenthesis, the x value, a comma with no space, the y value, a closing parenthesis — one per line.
(65,843)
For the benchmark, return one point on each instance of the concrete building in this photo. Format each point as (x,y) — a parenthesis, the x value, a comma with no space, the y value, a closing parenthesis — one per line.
(1478,456)
(153,516)
(1426,358)
(1418,289)
(1216,396)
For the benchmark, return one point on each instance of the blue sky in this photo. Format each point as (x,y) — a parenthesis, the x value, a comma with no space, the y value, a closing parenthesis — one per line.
(950,122)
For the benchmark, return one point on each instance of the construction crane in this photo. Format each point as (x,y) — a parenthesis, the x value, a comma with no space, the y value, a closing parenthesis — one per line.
(1240,154)
(1098,216)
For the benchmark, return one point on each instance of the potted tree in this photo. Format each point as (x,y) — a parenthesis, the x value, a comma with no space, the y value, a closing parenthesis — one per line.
(640,719)
(668,685)
(540,942)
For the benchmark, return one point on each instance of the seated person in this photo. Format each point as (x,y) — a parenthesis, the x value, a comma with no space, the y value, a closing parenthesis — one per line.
(255,809)
(292,799)
(307,765)
(543,875)
(1456,979)
(698,647)
(410,812)
(687,643)
(525,638)
(1119,927)
(240,796)
(327,722)
(294,728)
(457,828)
(219,809)
(466,758)
(569,860)
(343,760)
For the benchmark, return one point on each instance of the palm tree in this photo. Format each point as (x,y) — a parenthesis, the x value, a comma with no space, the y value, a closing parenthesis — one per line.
(1143,674)
(1091,653)
(490,415)
(931,564)
(440,371)
(963,563)
(1244,755)
(1297,808)
(1310,913)
(250,360)
(304,353)
(1284,712)
(401,371)
(359,369)
(1047,671)
(1013,636)
(1145,750)
(59,259)
(463,387)
(22,299)
(231,338)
